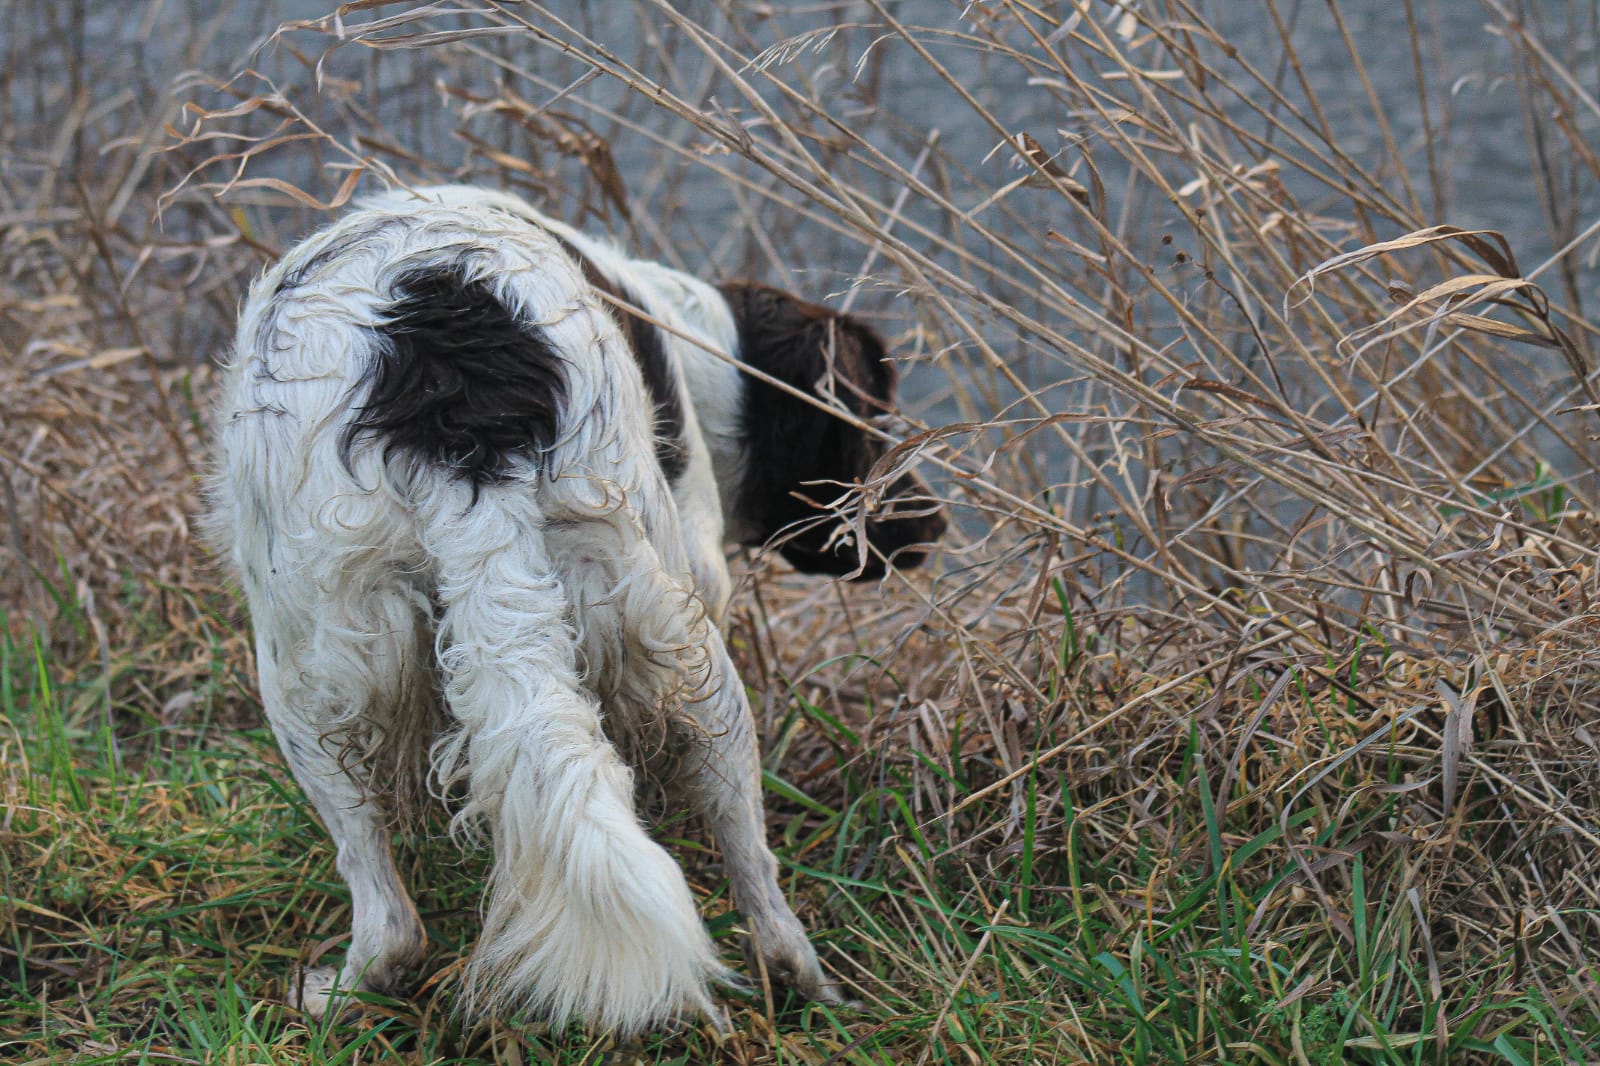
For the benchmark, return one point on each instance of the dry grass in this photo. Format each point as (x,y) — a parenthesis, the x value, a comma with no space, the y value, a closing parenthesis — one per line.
(1244,718)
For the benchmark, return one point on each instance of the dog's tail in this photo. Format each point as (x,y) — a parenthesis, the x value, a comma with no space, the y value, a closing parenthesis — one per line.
(586,916)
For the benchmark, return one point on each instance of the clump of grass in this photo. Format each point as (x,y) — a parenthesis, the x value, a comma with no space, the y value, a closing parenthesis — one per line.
(1244,717)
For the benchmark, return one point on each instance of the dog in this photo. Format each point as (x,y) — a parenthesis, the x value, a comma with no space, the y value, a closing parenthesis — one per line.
(474,472)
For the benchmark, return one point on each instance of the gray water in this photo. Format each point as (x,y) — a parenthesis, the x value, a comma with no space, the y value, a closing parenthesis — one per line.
(1479,134)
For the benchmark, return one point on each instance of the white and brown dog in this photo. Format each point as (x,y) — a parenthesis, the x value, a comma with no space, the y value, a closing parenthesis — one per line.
(456,471)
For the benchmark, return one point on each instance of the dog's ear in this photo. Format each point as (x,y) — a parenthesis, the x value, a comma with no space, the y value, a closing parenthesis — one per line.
(861,361)
(811,347)
(800,456)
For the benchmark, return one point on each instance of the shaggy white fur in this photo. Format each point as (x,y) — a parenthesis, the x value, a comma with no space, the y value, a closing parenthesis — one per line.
(571,587)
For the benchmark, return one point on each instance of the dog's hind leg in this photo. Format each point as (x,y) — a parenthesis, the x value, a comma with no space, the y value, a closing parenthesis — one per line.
(387,938)
(719,772)
(711,756)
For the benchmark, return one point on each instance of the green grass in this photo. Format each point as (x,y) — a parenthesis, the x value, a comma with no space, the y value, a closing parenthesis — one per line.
(161,883)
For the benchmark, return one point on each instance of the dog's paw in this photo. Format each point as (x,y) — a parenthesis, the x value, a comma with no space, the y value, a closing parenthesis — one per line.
(807,980)
(783,953)
(313,990)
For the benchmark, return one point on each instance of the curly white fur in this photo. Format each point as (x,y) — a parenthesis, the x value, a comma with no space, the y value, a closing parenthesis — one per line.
(578,591)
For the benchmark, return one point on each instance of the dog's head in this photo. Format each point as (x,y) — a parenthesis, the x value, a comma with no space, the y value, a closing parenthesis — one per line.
(801,457)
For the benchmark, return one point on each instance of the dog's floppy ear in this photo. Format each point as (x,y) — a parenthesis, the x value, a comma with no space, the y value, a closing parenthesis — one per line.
(799,455)
(800,343)
(862,365)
